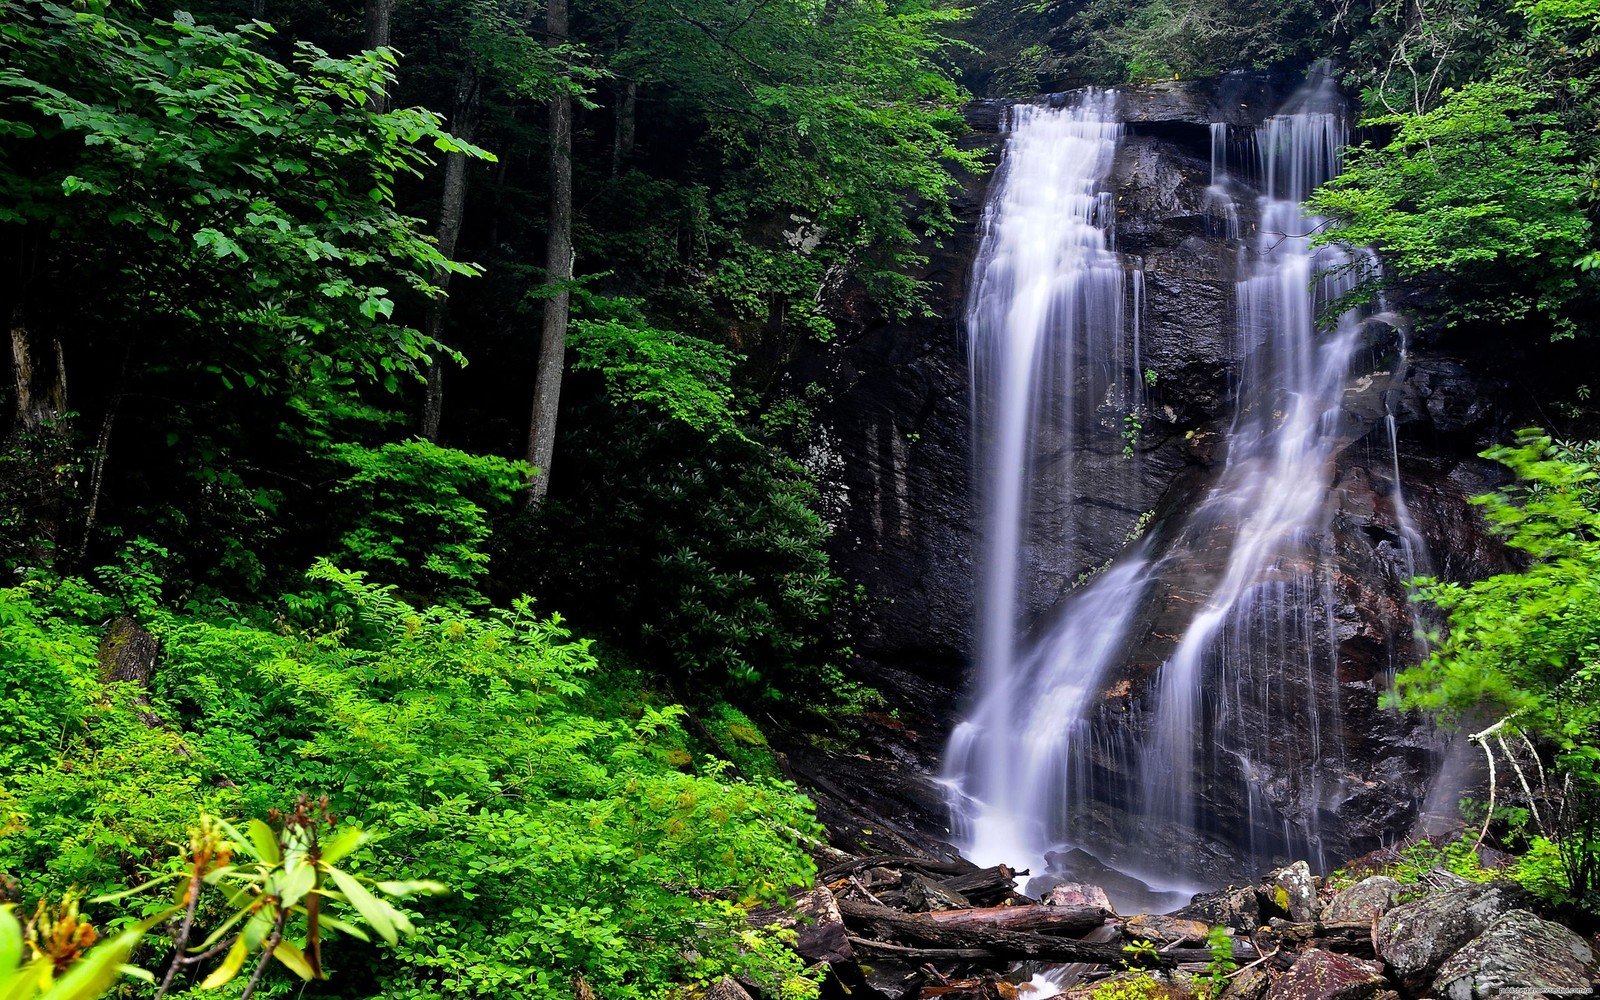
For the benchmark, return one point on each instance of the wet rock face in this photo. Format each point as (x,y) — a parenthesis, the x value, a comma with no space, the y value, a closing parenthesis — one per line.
(1416,939)
(893,452)
(1327,975)
(1521,952)
(1367,899)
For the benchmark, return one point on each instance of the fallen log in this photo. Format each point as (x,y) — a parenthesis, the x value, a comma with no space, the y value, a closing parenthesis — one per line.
(987,885)
(997,943)
(928,866)
(1039,918)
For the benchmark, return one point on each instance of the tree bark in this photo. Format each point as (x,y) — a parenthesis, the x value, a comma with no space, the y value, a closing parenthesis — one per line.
(883,923)
(452,205)
(378,36)
(1041,918)
(627,119)
(39,377)
(558,275)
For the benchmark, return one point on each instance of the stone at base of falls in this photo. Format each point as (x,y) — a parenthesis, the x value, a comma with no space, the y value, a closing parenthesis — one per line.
(1166,930)
(1078,865)
(1248,984)
(1078,894)
(726,988)
(923,895)
(1235,908)
(1291,891)
(1416,938)
(1328,975)
(1368,898)
(1518,951)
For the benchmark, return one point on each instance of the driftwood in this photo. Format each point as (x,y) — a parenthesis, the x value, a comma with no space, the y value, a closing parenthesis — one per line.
(931,938)
(1352,938)
(988,885)
(928,866)
(1039,919)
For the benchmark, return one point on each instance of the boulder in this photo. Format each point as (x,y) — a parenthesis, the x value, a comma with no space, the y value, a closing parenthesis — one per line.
(1236,908)
(1248,984)
(1166,930)
(1328,975)
(1291,891)
(1078,894)
(1416,938)
(1517,952)
(1368,898)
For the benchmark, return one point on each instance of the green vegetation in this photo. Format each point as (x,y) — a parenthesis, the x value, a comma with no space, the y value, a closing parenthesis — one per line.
(580,832)
(1518,664)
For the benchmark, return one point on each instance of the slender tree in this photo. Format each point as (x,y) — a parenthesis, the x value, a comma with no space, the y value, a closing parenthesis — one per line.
(452,206)
(558,274)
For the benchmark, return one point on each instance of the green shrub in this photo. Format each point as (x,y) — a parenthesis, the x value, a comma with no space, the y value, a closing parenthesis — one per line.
(576,838)
(419,515)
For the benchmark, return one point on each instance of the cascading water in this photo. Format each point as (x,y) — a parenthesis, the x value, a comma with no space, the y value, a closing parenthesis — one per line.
(1045,320)
(1252,558)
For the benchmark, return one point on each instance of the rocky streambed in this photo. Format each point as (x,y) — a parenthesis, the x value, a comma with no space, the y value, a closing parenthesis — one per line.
(903,927)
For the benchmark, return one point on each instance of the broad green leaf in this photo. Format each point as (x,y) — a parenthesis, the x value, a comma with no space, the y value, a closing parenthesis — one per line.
(339,846)
(334,923)
(264,841)
(406,888)
(373,910)
(296,882)
(10,940)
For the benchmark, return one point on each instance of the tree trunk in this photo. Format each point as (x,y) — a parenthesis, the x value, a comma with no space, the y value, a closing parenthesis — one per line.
(627,118)
(1038,919)
(39,378)
(451,208)
(378,35)
(558,275)
(923,932)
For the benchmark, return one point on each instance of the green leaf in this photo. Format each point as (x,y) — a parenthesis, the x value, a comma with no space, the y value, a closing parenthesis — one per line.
(296,882)
(341,844)
(406,888)
(264,841)
(374,911)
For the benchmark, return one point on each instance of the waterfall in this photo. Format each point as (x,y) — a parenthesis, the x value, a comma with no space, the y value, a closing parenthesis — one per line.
(1257,659)
(1045,321)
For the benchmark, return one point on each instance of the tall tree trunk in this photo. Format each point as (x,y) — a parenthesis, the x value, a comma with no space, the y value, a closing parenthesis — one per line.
(558,275)
(627,117)
(378,36)
(451,207)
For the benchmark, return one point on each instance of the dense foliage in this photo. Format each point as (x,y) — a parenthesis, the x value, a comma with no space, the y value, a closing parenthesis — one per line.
(1518,660)
(580,834)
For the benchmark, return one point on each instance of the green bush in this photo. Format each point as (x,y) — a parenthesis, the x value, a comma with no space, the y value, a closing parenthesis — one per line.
(701,557)
(577,840)
(419,515)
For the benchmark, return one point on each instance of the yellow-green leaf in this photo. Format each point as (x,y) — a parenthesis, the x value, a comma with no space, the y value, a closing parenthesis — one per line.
(293,959)
(232,962)
(408,887)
